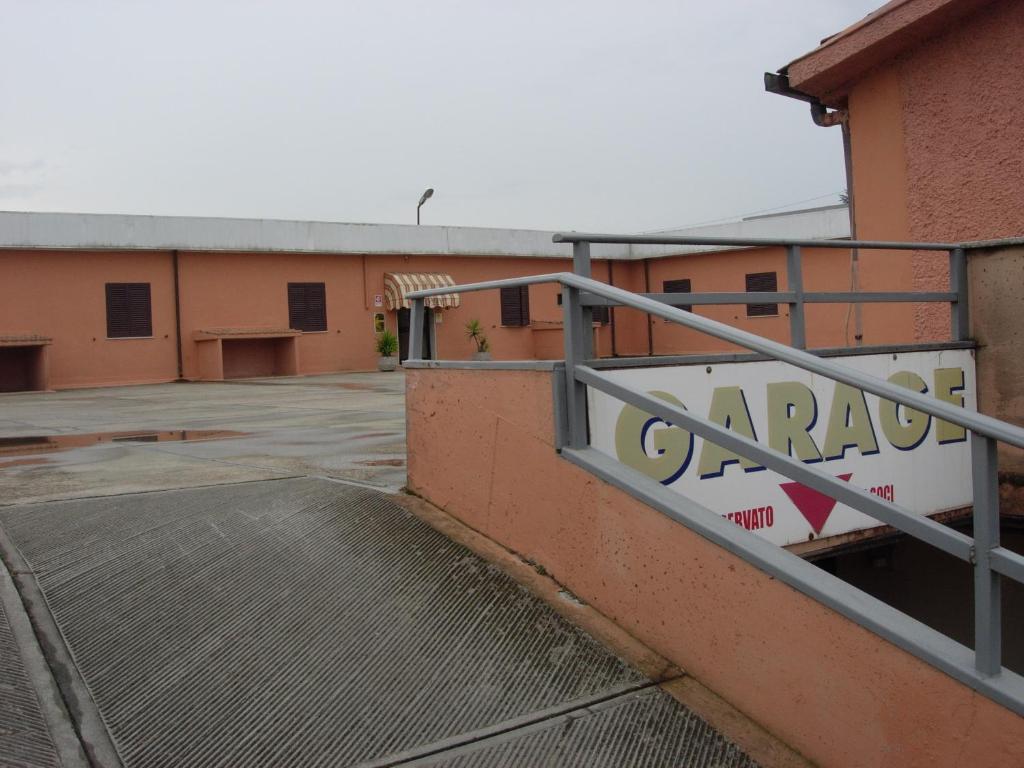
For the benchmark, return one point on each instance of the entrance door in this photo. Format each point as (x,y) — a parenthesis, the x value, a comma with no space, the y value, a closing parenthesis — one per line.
(404,318)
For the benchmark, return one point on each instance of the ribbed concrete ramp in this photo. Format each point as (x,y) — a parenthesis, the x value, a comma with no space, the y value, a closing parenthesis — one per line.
(302,622)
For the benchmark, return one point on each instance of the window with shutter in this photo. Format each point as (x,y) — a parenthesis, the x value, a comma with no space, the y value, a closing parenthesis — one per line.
(678,286)
(129,310)
(762,282)
(515,305)
(307,307)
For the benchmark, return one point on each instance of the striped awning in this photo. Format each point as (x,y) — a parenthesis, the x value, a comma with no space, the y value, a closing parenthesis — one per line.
(397,285)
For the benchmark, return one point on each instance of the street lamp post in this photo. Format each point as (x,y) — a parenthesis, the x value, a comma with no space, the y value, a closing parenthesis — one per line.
(423,198)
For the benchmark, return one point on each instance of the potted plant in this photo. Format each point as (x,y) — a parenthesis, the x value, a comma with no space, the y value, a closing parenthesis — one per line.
(475,332)
(387,346)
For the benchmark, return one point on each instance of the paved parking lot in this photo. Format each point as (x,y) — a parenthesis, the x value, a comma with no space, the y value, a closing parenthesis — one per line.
(347,426)
(221,574)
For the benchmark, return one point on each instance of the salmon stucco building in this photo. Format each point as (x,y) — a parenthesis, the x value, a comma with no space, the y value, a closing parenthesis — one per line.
(92,300)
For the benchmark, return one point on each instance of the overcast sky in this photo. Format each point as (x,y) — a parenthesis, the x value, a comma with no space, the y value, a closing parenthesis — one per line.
(554,114)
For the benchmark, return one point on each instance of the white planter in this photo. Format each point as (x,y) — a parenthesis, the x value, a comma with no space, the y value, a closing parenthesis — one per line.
(481,355)
(387,363)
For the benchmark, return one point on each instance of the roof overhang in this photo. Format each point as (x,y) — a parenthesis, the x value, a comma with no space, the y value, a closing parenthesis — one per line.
(829,71)
(117,232)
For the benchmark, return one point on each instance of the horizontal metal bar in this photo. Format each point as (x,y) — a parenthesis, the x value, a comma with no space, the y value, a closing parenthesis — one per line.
(781,297)
(921,641)
(972,420)
(697,299)
(753,357)
(747,242)
(1008,563)
(877,297)
(923,528)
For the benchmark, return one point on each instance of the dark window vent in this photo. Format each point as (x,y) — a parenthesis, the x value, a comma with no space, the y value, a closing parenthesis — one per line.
(678,286)
(515,305)
(762,282)
(129,310)
(307,307)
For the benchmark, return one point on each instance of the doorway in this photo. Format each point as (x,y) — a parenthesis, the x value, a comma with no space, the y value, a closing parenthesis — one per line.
(404,320)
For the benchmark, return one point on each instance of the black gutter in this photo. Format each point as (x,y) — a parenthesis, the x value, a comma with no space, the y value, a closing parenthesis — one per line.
(177,316)
(778,83)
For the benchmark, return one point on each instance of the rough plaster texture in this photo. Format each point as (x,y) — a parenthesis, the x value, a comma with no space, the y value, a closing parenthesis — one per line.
(828,70)
(481,447)
(997,295)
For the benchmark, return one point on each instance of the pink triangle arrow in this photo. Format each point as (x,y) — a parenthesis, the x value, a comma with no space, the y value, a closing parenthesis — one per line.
(813,505)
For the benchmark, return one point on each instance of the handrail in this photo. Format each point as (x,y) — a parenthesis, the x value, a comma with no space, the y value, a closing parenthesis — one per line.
(975,422)
(771,242)
(991,561)
(748,242)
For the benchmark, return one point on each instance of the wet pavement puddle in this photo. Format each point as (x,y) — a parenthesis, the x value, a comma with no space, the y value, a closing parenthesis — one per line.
(22,446)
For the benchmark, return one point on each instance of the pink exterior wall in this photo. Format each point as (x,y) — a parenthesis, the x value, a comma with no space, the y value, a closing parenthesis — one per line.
(837,693)
(937,141)
(61,295)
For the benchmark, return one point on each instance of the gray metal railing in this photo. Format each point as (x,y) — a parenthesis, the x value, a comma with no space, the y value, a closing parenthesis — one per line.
(794,296)
(991,562)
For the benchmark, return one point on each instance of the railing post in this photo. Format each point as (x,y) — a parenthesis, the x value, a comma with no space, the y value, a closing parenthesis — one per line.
(575,334)
(416,329)
(987,618)
(581,267)
(795,281)
(960,318)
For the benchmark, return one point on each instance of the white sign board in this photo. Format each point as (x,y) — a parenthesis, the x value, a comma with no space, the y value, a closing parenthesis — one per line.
(920,463)
(378,300)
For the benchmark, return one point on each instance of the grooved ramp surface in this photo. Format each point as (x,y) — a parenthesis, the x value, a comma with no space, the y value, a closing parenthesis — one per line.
(24,734)
(303,622)
(647,728)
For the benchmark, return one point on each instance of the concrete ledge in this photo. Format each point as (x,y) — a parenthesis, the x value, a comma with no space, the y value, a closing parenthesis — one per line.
(485,365)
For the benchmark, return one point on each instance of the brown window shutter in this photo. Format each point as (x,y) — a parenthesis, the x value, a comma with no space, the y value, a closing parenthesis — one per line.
(307,306)
(129,310)
(515,305)
(296,306)
(678,286)
(762,282)
(140,311)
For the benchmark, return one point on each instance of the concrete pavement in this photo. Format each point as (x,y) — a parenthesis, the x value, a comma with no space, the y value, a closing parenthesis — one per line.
(262,599)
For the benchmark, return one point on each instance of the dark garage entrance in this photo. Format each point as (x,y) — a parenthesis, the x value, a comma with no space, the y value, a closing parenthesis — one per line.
(404,320)
(23,364)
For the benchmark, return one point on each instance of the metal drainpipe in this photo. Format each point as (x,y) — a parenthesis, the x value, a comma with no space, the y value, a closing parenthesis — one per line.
(650,322)
(177,316)
(778,83)
(858,318)
(611,310)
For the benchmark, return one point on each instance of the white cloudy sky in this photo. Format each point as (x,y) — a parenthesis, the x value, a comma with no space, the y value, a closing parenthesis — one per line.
(563,114)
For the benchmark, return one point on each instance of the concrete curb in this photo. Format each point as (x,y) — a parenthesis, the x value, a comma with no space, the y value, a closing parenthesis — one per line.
(58,721)
(54,672)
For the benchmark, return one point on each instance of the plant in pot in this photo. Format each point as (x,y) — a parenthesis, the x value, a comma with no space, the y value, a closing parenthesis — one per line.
(475,332)
(387,346)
